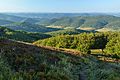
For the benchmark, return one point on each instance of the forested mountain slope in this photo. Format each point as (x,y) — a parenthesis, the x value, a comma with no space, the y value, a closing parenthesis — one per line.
(29,27)
(4,22)
(21,35)
(54,15)
(11,17)
(95,22)
(78,21)
(67,32)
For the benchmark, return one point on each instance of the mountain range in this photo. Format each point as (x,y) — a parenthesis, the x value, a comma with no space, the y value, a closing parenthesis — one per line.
(48,22)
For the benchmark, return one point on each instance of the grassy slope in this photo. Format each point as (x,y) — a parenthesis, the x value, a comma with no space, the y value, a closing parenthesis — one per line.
(31,62)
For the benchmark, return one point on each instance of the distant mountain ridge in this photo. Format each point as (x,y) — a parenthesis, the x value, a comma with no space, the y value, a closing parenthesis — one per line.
(95,22)
(54,15)
(47,22)
(4,22)
(11,17)
(29,27)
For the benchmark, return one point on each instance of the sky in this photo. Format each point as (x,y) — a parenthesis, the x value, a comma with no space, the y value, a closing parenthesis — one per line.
(60,6)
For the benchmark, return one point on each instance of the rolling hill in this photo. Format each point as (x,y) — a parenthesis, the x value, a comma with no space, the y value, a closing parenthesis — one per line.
(4,22)
(31,20)
(115,25)
(26,61)
(67,32)
(95,22)
(8,17)
(38,22)
(54,15)
(29,27)
(21,35)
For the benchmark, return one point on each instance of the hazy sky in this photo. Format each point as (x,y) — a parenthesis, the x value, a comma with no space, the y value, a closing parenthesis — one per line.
(60,6)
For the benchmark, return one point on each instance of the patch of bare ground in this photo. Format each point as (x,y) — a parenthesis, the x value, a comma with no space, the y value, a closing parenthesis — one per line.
(87,28)
(104,30)
(52,26)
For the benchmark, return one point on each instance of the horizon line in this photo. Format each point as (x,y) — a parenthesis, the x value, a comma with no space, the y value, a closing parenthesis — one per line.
(64,12)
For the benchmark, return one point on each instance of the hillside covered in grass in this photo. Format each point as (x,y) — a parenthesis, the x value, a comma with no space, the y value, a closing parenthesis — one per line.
(29,62)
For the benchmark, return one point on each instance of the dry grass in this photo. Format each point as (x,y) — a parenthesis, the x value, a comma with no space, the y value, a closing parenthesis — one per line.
(109,59)
(87,28)
(96,51)
(68,51)
(52,26)
(104,30)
